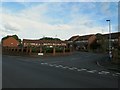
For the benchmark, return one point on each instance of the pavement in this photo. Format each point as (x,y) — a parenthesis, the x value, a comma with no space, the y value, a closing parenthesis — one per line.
(108,64)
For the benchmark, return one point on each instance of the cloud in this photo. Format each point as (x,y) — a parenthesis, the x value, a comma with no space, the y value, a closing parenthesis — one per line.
(32,22)
(9,27)
(105,8)
(59,0)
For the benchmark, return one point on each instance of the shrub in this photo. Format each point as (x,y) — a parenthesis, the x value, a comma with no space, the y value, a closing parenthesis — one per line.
(67,50)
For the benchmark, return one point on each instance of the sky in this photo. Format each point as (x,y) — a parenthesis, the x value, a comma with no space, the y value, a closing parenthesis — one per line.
(34,20)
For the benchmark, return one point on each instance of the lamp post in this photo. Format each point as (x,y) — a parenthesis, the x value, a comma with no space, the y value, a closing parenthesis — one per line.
(110,52)
(54,48)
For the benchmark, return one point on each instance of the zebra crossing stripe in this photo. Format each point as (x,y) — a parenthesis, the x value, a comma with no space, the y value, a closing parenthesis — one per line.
(103,72)
(92,71)
(83,69)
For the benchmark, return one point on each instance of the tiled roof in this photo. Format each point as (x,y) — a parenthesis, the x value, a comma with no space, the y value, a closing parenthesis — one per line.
(113,35)
(43,41)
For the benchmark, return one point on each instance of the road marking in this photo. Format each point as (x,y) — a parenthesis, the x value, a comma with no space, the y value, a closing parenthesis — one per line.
(118,73)
(74,68)
(103,72)
(46,63)
(71,68)
(51,65)
(114,74)
(42,63)
(83,69)
(60,65)
(65,67)
(92,71)
(57,66)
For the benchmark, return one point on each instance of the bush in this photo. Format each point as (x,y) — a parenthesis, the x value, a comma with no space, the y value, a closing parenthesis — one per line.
(34,50)
(49,50)
(67,50)
(57,49)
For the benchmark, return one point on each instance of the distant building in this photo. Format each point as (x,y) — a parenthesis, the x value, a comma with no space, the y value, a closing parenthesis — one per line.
(38,43)
(91,40)
(119,40)
(10,42)
(79,42)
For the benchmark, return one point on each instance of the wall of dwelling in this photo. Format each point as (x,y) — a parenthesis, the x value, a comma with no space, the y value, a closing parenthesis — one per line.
(116,53)
(10,42)
(33,51)
(98,43)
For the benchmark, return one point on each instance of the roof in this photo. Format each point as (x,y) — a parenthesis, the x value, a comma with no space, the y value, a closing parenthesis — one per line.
(42,41)
(73,38)
(78,38)
(86,37)
(8,36)
(113,35)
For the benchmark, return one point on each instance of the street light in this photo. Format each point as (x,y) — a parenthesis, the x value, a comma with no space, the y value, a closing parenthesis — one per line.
(110,52)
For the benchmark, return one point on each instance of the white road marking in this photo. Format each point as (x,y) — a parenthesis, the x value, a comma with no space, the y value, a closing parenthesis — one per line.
(51,65)
(65,67)
(114,74)
(46,63)
(92,71)
(118,73)
(74,68)
(42,63)
(103,72)
(57,66)
(71,68)
(83,69)
(60,65)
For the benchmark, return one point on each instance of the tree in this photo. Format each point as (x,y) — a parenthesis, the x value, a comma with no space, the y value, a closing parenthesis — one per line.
(102,42)
(49,38)
(15,36)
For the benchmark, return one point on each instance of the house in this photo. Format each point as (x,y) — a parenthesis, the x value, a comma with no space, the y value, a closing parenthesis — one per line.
(119,41)
(10,42)
(38,43)
(79,42)
(91,39)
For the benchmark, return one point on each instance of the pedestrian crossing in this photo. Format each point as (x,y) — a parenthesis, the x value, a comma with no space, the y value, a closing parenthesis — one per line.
(82,69)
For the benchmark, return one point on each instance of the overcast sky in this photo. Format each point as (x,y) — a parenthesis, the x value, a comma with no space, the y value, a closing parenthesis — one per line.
(34,20)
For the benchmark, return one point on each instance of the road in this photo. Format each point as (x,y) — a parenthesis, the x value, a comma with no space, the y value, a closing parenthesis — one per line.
(78,70)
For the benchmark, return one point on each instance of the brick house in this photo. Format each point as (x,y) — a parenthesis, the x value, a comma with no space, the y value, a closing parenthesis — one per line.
(91,39)
(10,42)
(37,43)
(79,42)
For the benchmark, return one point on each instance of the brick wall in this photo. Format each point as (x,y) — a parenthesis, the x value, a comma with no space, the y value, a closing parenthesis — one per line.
(10,42)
